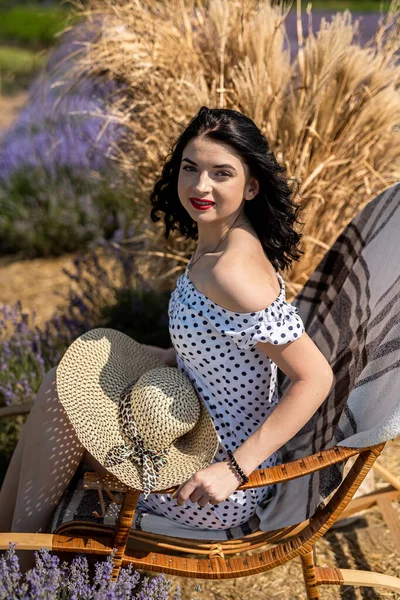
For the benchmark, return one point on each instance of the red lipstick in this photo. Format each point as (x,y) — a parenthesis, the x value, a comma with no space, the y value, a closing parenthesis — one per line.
(201,203)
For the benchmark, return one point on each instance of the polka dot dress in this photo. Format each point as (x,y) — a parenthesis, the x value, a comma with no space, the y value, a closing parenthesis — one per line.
(215,348)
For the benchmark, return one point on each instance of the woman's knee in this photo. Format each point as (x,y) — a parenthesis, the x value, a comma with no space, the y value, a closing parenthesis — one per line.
(52,374)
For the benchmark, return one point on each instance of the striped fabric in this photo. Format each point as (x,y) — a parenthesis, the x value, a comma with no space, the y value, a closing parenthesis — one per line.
(351,309)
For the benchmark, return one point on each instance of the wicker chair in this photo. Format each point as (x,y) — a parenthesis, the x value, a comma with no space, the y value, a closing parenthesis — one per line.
(255,553)
(335,306)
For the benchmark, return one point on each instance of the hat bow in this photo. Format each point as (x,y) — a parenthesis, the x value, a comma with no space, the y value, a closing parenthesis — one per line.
(151,461)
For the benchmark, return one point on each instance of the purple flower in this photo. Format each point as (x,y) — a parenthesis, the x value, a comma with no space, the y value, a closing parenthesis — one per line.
(49,580)
(79,587)
(46,578)
(157,589)
(10,575)
(26,354)
(103,574)
(65,122)
(126,583)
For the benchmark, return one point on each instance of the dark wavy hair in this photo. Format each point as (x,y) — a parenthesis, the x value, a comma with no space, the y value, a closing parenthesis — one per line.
(271,212)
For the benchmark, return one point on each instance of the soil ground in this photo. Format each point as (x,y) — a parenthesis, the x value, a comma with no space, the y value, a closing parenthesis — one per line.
(34,282)
(9,107)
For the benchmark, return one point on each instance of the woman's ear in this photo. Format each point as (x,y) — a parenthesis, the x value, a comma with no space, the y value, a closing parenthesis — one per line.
(253,189)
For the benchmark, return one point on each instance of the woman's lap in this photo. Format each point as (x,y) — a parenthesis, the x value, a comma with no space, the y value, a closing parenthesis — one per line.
(235,510)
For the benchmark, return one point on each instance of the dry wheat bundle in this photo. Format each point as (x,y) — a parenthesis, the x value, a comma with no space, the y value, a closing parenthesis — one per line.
(331,116)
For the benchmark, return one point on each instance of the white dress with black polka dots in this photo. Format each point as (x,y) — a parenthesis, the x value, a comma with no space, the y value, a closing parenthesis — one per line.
(215,348)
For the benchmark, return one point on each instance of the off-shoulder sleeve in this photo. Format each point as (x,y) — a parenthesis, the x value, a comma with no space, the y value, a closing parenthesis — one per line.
(279,323)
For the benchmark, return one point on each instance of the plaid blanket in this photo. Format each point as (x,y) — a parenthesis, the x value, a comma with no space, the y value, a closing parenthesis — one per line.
(350,307)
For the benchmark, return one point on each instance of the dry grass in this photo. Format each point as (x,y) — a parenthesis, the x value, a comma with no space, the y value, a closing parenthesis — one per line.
(332,116)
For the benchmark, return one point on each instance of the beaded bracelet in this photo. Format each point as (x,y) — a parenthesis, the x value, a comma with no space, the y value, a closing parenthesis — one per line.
(244,477)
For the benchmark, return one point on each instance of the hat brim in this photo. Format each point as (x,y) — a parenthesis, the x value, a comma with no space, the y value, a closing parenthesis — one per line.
(90,377)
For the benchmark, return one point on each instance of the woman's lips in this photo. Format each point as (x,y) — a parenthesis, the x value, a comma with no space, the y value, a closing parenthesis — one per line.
(199,206)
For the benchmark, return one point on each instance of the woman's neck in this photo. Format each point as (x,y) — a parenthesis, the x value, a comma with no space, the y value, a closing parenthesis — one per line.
(208,241)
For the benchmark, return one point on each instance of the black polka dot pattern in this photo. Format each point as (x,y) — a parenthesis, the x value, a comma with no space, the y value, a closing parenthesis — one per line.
(216,349)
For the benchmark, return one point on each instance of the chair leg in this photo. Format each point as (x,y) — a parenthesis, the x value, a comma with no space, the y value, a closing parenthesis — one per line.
(310,577)
(124,525)
(391,519)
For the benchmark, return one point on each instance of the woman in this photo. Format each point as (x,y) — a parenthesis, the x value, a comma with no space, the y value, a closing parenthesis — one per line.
(230,326)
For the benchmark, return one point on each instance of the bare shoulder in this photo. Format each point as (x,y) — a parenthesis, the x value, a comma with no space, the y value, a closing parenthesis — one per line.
(243,279)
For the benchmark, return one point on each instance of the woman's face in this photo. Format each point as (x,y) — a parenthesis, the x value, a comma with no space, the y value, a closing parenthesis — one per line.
(212,170)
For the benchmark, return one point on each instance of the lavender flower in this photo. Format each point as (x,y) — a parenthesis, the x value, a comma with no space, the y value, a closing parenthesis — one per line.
(26,353)
(177,593)
(127,582)
(103,575)
(64,122)
(157,589)
(49,580)
(78,582)
(46,578)
(114,296)
(10,575)
(109,293)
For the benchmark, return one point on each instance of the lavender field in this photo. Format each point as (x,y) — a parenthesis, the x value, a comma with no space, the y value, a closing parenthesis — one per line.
(60,189)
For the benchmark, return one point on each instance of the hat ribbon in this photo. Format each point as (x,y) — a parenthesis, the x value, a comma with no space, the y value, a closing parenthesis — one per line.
(151,461)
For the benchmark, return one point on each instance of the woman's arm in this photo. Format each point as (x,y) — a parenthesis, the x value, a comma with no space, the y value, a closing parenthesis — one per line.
(308,370)
(245,286)
(311,381)
(170,357)
(166,355)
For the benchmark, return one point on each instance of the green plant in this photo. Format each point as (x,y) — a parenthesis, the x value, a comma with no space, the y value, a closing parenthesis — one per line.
(18,66)
(140,314)
(19,60)
(47,214)
(33,24)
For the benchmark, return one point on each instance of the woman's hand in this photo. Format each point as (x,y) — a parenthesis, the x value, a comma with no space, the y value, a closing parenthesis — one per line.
(210,485)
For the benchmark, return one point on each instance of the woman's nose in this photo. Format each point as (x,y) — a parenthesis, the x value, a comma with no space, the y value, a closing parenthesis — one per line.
(203,183)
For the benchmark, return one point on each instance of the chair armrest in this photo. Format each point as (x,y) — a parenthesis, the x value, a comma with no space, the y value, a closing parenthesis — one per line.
(259,478)
(15,410)
(299,468)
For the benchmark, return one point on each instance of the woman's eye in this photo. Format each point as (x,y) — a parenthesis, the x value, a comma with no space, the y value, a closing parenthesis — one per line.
(220,173)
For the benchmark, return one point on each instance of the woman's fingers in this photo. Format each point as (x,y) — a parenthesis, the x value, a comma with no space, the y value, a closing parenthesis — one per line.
(196,494)
(213,502)
(200,496)
(203,500)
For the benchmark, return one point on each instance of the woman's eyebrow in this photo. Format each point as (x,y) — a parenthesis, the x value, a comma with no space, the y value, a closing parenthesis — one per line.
(214,167)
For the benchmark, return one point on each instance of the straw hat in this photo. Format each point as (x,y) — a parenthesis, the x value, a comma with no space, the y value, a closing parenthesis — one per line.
(142,420)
